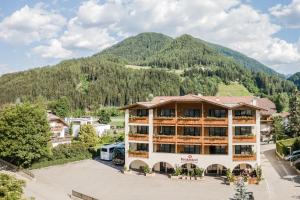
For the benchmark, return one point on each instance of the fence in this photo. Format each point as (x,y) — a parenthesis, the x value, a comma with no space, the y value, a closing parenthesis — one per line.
(82,196)
(8,166)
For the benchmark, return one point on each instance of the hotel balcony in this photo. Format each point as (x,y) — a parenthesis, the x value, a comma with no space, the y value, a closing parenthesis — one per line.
(164,139)
(244,139)
(138,137)
(138,133)
(244,120)
(215,140)
(138,154)
(215,121)
(187,139)
(244,157)
(139,116)
(181,120)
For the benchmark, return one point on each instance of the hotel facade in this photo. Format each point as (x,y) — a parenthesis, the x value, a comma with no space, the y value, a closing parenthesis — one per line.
(213,133)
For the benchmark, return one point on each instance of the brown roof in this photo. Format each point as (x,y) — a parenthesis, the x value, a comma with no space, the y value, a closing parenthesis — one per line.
(52,117)
(265,105)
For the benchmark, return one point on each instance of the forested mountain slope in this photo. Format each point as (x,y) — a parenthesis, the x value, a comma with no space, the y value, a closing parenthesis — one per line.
(295,78)
(103,79)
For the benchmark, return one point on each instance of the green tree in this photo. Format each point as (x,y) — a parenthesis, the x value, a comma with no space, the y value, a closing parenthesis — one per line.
(296,145)
(104,117)
(11,188)
(282,102)
(241,191)
(294,117)
(60,107)
(277,128)
(87,135)
(24,133)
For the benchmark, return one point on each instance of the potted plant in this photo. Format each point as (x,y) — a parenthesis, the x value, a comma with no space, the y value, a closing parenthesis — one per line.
(259,174)
(147,171)
(229,177)
(177,173)
(245,179)
(199,173)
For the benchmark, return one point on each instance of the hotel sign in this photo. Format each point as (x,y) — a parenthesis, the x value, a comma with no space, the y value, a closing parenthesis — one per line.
(189,159)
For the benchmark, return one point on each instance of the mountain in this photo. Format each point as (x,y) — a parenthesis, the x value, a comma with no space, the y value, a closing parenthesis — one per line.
(295,78)
(106,79)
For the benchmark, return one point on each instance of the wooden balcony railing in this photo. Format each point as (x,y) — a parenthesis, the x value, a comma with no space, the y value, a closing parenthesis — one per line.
(243,120)
(208,121)
(185,139)
(57,139)
(139,120)
(138,154)
(138,137)
(164,120)
(166,139)
(244,157)
(244,139)
(215,139)
(189,120)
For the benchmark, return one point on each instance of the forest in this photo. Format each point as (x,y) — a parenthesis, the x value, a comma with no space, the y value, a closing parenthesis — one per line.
(103,79)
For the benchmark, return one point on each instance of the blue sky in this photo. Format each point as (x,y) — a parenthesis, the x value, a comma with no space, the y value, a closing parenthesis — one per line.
(36,33)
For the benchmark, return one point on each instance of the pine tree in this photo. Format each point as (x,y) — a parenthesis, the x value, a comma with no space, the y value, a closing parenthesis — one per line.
(241,191)
(294,117)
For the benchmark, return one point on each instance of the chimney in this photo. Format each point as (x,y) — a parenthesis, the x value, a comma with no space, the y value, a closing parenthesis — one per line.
(254,101)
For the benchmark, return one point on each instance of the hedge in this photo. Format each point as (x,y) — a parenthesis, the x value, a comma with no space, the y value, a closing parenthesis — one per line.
(282,146)
(65,153)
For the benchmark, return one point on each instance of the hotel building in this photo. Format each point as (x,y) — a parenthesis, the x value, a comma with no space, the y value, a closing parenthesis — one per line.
(214,133)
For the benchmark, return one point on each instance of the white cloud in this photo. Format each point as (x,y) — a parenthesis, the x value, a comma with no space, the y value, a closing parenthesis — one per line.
(53,50)
(289,14)
(31,24)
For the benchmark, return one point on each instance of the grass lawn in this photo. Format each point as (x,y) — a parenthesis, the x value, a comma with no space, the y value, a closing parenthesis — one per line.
(117,121)
(233,89)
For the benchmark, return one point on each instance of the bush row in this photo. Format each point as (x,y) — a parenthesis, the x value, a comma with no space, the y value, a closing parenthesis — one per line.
(282,146)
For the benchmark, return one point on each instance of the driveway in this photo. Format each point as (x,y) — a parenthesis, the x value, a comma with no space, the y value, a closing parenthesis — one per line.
(102,181)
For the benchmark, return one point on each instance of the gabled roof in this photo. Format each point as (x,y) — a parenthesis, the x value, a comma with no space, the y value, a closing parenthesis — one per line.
(52,117)
(264,105)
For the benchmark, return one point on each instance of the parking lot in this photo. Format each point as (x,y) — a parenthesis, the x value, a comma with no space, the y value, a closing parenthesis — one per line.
(102,181)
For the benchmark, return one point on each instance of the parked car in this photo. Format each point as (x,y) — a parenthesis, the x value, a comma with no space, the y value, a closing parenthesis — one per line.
(294,153)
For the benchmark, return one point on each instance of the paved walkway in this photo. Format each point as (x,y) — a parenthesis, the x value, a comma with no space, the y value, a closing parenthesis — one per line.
(107,183)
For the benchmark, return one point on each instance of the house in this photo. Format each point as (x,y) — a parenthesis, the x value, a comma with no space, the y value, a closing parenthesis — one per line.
(58,129)
(214,133)
(76,123)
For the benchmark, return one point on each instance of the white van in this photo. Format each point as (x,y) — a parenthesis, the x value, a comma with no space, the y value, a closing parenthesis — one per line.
(106,152)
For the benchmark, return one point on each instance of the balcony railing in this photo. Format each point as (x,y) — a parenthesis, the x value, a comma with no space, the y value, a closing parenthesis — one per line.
(189,120)
(244,157)
(138,154)
(215,121)
(244,139)
(138,137)
(215,139)
(169,139)
(67,138)
(164,120)
(243,120)
(138,120)
(186,139)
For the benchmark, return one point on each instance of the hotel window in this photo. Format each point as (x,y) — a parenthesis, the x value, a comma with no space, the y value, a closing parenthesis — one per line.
(166,112)
(167,148)
(192,113)
(192,131)
(141,147)
(217,131)
(217,113)
(217,150)
(142,129)
(167,130)
(243,113)
(141,112)
(242,130)
(243,149)
(191,149)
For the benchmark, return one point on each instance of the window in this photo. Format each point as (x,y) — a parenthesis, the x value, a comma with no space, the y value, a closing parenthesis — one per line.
(192,149)
(243,113)
(141,147)
(142,129)
(242,130)
(217,131)
(141,112)
(217,113)
(111,150)
(217,150)
(192,131)
(166,148)
(104,150)
(243,149)
(192,113)
(167,130)
(166,112)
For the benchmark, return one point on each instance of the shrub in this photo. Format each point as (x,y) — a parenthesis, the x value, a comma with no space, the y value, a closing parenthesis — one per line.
(10,187)
(259,173)
(198,171)
(146,169)
(177,171)
(229,175)
(296,145)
